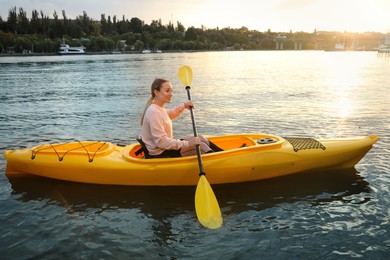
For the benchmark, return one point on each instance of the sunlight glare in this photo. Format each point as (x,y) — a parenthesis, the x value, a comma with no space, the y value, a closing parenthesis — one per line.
(342,80)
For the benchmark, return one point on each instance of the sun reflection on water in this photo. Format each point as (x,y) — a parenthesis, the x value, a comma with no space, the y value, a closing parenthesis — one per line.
(344,80)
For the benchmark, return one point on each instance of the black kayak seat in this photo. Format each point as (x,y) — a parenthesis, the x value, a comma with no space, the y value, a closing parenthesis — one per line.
(142,149)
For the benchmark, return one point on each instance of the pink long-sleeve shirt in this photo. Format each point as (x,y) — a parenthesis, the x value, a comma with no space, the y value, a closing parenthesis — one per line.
(157,132)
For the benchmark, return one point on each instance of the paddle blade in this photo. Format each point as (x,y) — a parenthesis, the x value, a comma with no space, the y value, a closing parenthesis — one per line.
(185,75)
(206,205)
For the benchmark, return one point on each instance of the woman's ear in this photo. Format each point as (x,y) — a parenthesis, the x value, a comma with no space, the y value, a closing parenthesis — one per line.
(155,92)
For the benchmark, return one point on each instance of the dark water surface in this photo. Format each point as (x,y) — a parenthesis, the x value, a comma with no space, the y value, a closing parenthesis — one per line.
(325,215)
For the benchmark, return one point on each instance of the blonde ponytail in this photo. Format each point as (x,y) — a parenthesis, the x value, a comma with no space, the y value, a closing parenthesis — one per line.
(146,107)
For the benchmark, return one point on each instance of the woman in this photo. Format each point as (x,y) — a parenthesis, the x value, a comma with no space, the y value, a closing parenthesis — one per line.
(156,122)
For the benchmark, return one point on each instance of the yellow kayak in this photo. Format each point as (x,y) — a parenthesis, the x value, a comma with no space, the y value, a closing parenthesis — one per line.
(246,157)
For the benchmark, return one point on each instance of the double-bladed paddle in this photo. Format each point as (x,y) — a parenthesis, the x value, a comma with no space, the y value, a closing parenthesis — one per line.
(206,204)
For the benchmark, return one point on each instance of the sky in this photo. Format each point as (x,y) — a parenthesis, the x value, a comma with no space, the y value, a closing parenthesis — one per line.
(260,15)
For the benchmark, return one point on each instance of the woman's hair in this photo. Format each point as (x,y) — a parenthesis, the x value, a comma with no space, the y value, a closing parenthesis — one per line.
(156,85)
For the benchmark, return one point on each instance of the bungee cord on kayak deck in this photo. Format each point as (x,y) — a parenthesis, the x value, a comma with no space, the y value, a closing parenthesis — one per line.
(304,143)
(45,147)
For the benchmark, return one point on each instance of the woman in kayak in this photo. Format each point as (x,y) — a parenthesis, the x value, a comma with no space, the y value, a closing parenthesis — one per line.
(156,122)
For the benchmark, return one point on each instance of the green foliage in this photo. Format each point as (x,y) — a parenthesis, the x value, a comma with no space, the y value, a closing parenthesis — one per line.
(44,35)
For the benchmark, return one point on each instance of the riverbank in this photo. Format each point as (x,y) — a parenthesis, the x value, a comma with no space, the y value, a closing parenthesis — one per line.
(166,51)
(55,53)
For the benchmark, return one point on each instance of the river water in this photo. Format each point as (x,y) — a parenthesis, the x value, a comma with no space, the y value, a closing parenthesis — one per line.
(327,215)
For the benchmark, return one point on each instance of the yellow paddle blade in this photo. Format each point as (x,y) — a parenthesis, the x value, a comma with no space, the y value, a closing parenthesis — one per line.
(206,205)
(185,75)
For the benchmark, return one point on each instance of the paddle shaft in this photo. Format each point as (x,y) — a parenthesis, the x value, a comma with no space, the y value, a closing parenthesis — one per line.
(195,134)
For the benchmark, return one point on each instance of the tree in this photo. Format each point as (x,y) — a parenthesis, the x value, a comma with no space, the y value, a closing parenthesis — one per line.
(109,26)
(12,20)
(84,24)
(164,44)
(6,41)
(170,27)
(139,45)
(45,23)
(191,34)
(65,22)
(103,24)
(22,22)
(128,37)
(35,24)
(122,27)
(180,27)
(136,25)
(147,39)
(56,27)
(96,29)
(3,25)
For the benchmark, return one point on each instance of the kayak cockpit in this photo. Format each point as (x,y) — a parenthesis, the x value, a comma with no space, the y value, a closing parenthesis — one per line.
(228,143)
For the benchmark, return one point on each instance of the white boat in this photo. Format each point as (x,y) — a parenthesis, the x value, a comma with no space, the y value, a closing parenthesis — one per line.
(146,51)
(384,48)
(65,49)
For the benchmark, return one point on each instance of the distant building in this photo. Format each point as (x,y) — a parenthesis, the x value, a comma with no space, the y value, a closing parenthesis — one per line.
(279,39)
(387,39)
(384,49)
(340,46)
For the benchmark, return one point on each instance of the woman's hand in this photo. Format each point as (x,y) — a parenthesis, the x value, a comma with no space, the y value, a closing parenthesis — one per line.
(193,141)
(189,104)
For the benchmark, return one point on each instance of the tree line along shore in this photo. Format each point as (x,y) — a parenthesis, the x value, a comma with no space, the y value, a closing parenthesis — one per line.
(41,34)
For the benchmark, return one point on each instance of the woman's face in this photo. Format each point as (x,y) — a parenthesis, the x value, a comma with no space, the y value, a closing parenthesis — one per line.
(165,94)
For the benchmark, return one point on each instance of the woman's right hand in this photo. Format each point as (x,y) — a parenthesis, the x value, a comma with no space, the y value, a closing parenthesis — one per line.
(189,104)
